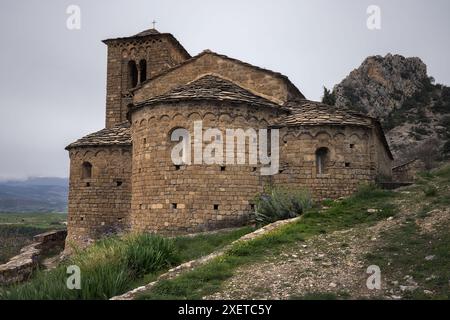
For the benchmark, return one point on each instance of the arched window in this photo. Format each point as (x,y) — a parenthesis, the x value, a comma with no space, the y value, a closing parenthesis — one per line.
(143,69)
(132,74)
(322,159)
(87,170)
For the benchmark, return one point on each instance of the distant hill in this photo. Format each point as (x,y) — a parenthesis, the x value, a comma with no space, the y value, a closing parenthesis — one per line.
(34,195)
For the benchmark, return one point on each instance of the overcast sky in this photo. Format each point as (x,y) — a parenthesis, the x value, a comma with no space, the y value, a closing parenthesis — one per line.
(52,79)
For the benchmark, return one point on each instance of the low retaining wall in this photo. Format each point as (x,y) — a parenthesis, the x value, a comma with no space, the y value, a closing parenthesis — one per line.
(408,171)
(20,267)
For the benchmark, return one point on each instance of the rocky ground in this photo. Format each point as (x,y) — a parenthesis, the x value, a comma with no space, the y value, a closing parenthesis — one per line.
(334,265)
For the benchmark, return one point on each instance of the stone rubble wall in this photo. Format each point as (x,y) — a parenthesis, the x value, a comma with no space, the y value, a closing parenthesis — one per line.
(22,266)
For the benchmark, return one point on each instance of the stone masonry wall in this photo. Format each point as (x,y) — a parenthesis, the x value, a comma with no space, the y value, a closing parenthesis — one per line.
(383,161)
(255,80)
(190,198)
(408,172)
(99,205)
(159,53)
(22,266)
(350,161)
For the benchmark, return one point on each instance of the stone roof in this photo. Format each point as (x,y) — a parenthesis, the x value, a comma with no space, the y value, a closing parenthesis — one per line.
(305,112)
(210,87)
(118,135)
(148,32)
(312,113)
(207,51)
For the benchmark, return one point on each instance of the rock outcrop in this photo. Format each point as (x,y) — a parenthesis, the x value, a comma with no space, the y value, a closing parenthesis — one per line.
(413,110)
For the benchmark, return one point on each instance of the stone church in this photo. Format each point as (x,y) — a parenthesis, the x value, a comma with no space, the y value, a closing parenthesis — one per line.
(122,178)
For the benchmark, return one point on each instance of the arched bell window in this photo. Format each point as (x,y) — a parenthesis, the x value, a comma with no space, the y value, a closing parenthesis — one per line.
(143,70)
(132,74)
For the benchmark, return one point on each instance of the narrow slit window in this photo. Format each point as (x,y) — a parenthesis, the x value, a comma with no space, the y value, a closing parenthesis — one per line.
(322,159)
(143,70)
(87,170)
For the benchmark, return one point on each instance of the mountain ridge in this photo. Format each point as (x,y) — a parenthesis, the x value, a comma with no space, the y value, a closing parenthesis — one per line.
(35,194)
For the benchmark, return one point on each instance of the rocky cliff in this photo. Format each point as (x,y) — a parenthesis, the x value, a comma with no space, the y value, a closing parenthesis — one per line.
(414,111)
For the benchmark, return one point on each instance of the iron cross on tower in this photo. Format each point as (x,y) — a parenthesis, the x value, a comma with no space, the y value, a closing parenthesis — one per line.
(154,23)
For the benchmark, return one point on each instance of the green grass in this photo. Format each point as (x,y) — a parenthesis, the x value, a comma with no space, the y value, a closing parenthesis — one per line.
(209,278)
(17,230)
(404,249)
(35,220)
(115,265)
(189,248)
(404,254)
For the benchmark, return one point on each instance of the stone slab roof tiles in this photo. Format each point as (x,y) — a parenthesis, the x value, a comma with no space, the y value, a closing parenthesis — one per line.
(151,33)
(210,87)
(207,51)
(118,135)
(148,32)
(312,113)
(307,112)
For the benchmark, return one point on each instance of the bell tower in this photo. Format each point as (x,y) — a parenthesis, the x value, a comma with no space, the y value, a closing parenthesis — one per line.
(134,60)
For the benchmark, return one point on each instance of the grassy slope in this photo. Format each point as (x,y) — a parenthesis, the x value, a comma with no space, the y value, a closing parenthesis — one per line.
(400,254)
(18,229)
(404,250)
(208,279)
(113,266)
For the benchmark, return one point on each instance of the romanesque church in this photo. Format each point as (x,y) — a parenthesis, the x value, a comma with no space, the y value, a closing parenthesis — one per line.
(122,178)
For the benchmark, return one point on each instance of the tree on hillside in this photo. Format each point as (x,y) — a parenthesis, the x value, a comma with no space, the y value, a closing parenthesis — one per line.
(328,97)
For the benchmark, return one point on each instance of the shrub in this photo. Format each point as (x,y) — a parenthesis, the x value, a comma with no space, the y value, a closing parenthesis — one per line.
(328,202)
(148,253)
(369,191)
(445,122)
(430,191)
(446,148)
(420,130)
(329,97)
(107,269)
(280,204)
